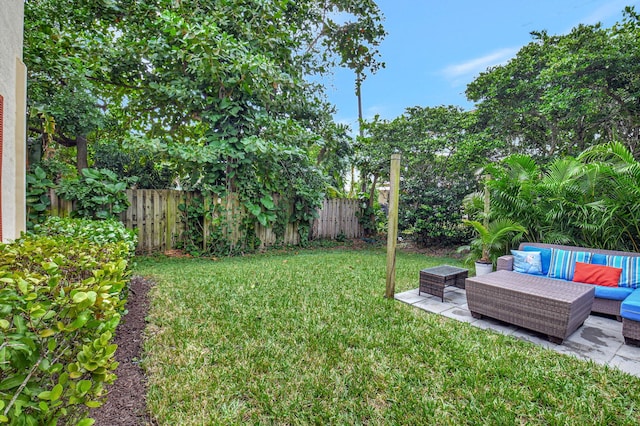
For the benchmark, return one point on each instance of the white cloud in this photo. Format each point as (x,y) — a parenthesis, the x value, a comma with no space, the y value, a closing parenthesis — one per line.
(374,110)
(474,66)
(609,10)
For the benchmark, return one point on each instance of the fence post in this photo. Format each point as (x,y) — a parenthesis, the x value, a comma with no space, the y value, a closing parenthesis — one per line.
(392,233)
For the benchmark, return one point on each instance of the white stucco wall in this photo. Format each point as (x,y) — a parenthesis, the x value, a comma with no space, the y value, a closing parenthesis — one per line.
(13,89)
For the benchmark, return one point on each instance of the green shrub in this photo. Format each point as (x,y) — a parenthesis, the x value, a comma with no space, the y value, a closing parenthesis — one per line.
(98,194)
(60,302)
(99,232)
(432,215)
(37,196)
(139,163)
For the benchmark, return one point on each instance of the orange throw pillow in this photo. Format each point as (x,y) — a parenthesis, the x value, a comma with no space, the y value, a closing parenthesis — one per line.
(597,274)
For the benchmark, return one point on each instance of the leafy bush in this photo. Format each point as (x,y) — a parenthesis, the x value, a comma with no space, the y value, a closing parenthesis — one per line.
(98,194)
(60,302)
(139,164)
(590,201)
(432,215)
(367,214)
(37,199)
(98,232)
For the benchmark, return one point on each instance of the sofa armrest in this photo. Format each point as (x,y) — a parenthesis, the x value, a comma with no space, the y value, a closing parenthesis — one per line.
(505,263)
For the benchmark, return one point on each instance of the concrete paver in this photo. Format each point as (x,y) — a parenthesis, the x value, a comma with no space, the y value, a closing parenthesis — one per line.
(599,339)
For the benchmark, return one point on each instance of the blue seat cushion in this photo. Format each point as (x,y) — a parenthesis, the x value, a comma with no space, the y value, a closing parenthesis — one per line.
(599,259)
(630,308)
(545,256)
(613,293)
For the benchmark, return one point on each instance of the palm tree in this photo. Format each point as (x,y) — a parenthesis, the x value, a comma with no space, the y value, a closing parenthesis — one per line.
(491,240)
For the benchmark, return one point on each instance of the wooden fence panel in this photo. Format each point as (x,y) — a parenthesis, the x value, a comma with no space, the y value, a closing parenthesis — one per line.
(156,216)
(338,217)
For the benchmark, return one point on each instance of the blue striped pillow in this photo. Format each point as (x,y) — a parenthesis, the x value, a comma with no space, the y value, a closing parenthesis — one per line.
(563,263)
(630,265)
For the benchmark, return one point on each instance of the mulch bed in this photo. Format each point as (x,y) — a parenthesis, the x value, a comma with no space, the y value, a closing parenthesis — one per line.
(126,400)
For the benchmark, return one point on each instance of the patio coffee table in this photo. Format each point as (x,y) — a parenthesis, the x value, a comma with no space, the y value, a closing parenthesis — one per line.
(552,307)
(434,280)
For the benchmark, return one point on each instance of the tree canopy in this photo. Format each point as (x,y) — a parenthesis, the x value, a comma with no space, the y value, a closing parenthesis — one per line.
(562,94)
(221,89)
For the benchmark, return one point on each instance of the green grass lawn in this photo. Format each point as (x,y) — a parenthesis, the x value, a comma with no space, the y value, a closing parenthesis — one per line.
(308,338)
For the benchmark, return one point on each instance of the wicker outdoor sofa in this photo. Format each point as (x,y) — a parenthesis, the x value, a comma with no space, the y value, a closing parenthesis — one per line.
(551,306)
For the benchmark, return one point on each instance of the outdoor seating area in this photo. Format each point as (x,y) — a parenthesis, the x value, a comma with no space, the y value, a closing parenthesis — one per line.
(557,293)
(599,339)
(589,315)
(560,265)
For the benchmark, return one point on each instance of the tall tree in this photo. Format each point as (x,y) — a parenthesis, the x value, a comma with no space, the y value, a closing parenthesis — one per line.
(64,105)
(561,94)
(208,84)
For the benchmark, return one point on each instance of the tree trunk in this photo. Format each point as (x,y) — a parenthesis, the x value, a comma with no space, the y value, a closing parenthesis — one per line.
(359,95)
(82,156)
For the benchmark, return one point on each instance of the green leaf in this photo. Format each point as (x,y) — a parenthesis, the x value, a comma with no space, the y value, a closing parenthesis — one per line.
(23,286)
(47,333)
(12,382)
(83,386)
(79,297)
(91,173)
(45,395)
(267,202)
(254,209)
(56,392)
(262,218)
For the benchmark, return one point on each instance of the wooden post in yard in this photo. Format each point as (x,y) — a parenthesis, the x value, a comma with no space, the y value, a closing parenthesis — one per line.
(392,232)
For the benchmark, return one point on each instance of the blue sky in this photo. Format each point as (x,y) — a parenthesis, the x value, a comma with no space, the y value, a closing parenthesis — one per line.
(436,47)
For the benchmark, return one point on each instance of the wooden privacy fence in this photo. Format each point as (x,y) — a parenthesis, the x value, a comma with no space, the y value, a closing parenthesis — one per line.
(160,223)
(337,216)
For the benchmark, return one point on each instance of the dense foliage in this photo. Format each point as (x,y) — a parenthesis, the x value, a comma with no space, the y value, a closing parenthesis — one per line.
(217,95)
(591,200)
(95,231)
(562,94)
(134,163)
(187,96)
(442,149)
(37,196)
(61,298)
(97,194)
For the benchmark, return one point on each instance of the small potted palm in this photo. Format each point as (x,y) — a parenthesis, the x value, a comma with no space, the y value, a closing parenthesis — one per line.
(490,242)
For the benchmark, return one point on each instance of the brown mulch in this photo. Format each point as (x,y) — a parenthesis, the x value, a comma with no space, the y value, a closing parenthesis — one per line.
(126,402)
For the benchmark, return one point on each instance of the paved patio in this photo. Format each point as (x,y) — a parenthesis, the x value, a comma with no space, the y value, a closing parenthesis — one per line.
(599,339)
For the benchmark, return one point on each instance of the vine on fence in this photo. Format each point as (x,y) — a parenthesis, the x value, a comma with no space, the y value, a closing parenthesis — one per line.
(98,194)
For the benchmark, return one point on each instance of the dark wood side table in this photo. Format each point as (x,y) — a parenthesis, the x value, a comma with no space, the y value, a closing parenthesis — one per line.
(434,280)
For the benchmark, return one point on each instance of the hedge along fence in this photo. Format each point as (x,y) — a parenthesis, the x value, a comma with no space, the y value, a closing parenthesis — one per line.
(160,222)
(60,302)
